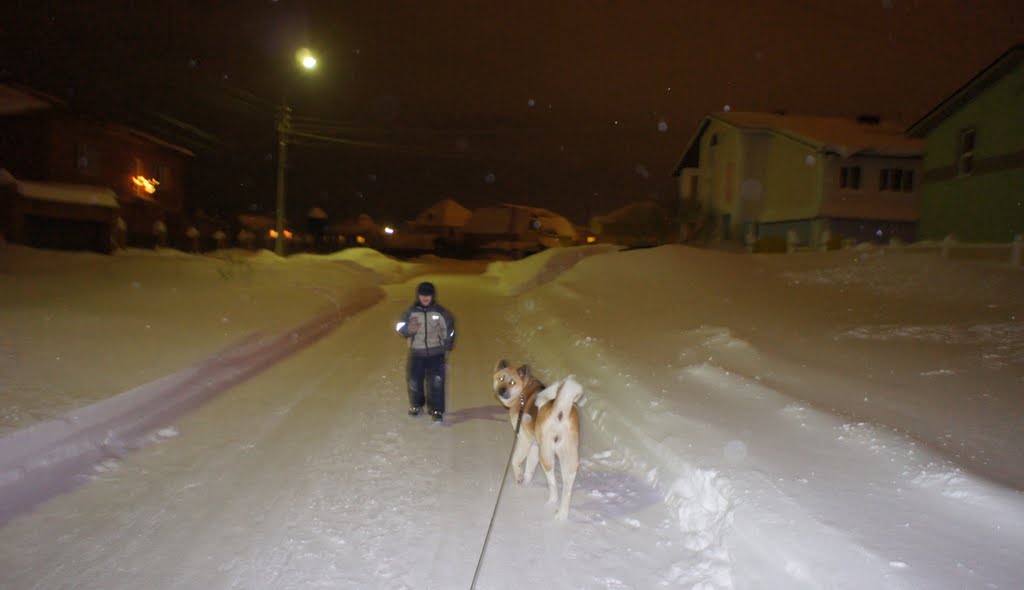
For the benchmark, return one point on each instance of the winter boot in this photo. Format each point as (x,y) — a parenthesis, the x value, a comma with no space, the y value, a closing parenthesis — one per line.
(437,416)
(415,410)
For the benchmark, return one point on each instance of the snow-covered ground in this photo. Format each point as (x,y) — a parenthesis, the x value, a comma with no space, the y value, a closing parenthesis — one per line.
(821,420)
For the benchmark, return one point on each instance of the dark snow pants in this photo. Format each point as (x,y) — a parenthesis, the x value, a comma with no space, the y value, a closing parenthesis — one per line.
(427,370)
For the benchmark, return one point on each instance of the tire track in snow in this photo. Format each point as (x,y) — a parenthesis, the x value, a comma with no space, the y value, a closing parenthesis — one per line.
(46,459)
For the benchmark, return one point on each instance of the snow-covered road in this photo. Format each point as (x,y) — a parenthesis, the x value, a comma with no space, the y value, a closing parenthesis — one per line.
(311,475)
(734,435)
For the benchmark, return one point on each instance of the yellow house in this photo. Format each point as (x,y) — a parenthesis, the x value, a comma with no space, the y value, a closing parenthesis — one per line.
(763,175)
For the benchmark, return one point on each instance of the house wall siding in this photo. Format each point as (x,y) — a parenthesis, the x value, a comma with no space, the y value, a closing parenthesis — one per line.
(46,146)
(23,145)
(982,208)
(753,175)
(791,188)
(869,202)
(987,205)
(998,116)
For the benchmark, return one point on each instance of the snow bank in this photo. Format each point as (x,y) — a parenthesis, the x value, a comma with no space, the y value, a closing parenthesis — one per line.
(728,381)
(77,328)
(520,276)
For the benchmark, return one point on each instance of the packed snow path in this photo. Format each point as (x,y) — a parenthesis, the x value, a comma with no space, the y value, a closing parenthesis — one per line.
(726,444)
(312,475)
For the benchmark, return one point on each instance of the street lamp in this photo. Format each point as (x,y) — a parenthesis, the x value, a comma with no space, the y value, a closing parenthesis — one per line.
(307,61)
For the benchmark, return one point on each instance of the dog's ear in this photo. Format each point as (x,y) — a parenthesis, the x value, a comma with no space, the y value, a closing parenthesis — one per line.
(524,371)
(502,364)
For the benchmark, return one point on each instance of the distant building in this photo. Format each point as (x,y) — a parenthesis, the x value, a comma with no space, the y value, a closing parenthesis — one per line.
(973,185)
(436,229)
(443,217)
(639,224)
(763,175)
(361,231)
(57,215)
(518,229)
(42,140)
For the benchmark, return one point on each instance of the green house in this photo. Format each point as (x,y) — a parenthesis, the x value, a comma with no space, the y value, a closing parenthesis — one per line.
(973,184)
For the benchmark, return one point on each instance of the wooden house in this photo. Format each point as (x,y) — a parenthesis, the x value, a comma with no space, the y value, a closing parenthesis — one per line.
(973,181)
(764,175)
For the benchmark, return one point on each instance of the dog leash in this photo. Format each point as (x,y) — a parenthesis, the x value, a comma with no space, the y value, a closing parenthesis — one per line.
(490,527)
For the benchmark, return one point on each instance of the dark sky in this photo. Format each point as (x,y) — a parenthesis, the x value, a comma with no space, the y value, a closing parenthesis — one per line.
(577,106)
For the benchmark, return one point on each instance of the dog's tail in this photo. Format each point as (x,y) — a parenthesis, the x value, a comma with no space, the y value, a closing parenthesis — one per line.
(565,393)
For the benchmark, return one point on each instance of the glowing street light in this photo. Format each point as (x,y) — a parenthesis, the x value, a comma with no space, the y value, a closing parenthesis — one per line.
(306,59)
(308,62)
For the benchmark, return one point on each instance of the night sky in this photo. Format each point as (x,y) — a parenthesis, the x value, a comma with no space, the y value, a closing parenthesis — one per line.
(576,106)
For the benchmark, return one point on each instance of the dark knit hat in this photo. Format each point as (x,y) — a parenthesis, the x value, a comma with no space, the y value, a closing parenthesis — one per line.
(426,288)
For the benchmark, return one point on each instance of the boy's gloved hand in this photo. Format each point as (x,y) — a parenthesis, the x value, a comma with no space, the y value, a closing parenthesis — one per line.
(414,325)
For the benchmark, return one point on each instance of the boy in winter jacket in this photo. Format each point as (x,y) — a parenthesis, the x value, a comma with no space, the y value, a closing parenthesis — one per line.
(430,329)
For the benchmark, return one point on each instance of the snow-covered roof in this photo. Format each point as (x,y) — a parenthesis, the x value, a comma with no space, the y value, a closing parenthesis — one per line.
(846,137)
(118,129)
(78,194)
(550,220)
(446,212)
(839,135)
(515,219)
(628,211)
(257,222)
(362,223)
(15,101)
(992,73)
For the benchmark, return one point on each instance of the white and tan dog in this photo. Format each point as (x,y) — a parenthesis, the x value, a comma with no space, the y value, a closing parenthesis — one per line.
(550,428)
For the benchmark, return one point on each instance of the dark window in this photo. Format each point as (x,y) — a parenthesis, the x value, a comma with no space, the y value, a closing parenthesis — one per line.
(908,181)
(87,159)
(883,179)
(965,152)
(854,177)
(844,177)
(897,178)
(163,175)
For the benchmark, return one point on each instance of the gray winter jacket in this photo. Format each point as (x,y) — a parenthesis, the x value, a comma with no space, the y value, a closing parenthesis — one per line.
(430,329)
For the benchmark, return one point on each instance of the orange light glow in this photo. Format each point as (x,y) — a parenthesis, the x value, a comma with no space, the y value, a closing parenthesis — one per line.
(272,233)
(591,239)
(288,234)
(148,184)
(360,239)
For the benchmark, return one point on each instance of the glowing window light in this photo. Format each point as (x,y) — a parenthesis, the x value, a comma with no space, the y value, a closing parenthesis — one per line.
(147,184)
(360,240)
